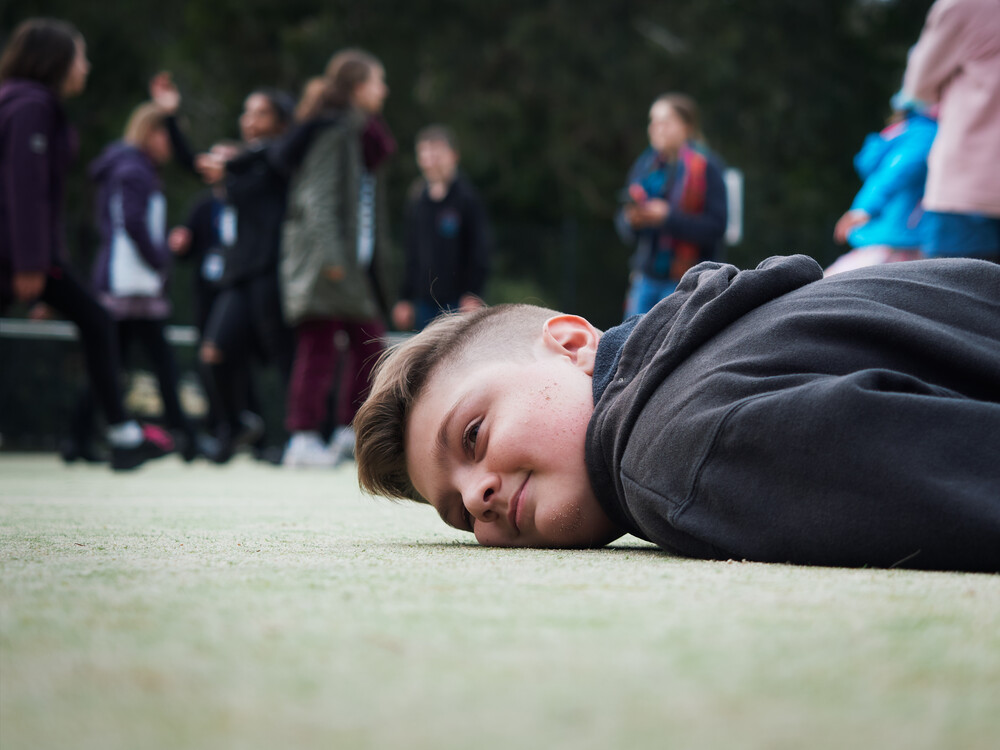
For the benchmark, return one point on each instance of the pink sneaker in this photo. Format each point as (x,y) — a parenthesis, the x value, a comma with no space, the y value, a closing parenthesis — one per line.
(156,442)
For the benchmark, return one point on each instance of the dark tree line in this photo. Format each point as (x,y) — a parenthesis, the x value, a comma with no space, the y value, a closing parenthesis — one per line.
(549,100)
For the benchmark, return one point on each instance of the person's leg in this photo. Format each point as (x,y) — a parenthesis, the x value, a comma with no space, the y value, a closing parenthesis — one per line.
(954,235)
(273,338)
(312,376)
(225,354)
(131,444)
(152,334)
(273,344)
(97,338)
(367,342)
(644,292)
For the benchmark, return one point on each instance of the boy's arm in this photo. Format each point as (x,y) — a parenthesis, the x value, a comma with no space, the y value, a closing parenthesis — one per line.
(477,247)
(182,152)
(853,470)
(407,290)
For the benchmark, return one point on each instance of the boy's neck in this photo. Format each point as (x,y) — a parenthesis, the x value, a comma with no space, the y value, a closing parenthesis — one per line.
(438,189)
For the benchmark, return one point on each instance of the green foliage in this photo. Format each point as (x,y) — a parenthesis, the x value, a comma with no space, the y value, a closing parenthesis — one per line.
(549,101)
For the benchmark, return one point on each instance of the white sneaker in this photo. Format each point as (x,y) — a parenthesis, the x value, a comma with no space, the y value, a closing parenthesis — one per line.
(342,444)
(307,449)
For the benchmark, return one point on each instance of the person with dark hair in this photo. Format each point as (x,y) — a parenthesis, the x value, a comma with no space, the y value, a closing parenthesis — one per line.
(45,61)
(447,239)
(674,208)
(333,248)
(201,241)
(246,320)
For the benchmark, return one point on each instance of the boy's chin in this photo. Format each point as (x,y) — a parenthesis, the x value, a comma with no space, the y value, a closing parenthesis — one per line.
(593,541)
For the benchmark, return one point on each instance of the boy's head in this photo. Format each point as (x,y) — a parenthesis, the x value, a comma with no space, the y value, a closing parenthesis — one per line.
(437,153)
(484,416)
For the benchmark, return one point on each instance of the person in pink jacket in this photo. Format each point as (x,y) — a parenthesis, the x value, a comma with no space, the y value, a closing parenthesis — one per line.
(956,65)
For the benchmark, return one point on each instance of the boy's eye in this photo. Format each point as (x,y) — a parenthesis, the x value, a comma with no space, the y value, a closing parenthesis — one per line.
(469,437)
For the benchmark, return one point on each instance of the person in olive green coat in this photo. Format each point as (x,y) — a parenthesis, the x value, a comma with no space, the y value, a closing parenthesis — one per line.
(334,253)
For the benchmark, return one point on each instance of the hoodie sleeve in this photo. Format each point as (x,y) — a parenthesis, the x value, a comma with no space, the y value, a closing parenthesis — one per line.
(28,164)
(182,152)
(136,193)
(478,241)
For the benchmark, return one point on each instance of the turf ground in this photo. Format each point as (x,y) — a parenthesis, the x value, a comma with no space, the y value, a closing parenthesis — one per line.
(253,607)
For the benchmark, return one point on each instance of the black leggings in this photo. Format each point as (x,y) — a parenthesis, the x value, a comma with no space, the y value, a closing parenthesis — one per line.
(245,323)
(151,336)
(65,293)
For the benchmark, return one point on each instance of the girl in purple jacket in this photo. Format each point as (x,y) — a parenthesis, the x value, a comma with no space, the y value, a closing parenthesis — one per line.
(44,62)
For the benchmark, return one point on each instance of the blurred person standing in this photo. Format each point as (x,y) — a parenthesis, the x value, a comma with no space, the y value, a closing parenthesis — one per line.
(246,321)
(133,262)
(45,61)
(203,240)
(334,247)
(674,208)
(956,66)
(447,243)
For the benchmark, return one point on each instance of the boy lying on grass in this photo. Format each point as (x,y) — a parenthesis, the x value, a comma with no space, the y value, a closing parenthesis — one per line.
(767,415)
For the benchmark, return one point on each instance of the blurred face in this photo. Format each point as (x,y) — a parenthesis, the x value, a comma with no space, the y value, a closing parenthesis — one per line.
(258,120)
(497,447)
(79,69)
(667,131)
(370,95)
(158,145)
(437,161)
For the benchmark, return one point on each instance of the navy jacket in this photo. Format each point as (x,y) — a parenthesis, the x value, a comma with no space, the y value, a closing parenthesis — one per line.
(447,245)
(258,190)
(776,416)
(653,245)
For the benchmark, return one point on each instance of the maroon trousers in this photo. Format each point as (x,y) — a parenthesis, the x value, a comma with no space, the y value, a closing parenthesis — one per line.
(316,365)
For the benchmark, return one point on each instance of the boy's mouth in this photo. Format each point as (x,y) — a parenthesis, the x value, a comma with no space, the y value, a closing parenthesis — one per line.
(513,510)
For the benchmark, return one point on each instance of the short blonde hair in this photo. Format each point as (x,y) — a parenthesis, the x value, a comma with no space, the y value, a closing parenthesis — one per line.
(144,119)
(403,372)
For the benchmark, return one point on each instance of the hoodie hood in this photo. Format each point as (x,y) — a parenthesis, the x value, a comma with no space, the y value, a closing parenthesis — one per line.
(116,158)
(21,89)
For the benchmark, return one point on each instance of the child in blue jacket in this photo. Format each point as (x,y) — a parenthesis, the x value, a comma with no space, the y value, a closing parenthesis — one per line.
(885,221)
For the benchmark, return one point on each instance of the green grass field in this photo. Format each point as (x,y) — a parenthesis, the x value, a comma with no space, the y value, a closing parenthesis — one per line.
(254,607)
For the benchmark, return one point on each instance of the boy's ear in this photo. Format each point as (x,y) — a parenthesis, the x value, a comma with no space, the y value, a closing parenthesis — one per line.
(574,337)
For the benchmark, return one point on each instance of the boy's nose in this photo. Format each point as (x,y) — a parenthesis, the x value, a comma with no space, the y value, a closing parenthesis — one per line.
(480,497)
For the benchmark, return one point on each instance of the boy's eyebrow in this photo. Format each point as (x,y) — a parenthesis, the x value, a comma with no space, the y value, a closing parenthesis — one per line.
(441,443)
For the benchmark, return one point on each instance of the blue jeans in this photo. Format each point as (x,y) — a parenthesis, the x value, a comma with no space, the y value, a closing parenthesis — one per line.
(961,236)
(644,292)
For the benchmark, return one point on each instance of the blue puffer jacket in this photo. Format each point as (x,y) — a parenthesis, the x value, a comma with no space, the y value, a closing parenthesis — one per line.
(893,165)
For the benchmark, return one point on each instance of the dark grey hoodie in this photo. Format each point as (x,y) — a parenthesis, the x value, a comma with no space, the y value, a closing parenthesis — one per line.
(773,415)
